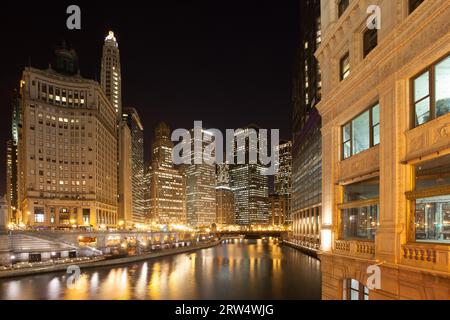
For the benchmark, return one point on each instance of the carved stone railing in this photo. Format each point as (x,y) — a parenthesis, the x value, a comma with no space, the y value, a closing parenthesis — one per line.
(428,256)
(365,249)
(342,245)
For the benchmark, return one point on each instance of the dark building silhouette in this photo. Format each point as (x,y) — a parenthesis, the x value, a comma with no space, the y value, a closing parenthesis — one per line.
(306,149)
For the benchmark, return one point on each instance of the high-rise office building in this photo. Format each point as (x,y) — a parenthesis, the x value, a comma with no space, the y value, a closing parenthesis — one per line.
(224,206)
(248,183)
(385,137)
(200,189)
(11,180)
(283,177)
(131,118)
(307,144)
(166,184)
(225,211)
(12,159)
(125,187)
(147,193)
(277,209)
(66,148)
(111,83)
(111,77)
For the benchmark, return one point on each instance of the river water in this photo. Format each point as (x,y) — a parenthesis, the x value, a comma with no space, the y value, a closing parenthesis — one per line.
(237,269)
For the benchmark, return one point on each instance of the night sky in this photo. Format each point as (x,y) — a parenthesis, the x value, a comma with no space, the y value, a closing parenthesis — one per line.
(227,63)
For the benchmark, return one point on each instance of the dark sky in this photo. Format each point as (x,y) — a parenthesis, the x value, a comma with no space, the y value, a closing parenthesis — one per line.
(227,63)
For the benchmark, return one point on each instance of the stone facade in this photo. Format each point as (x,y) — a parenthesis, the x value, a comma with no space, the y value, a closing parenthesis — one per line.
(408,42)
(67,152)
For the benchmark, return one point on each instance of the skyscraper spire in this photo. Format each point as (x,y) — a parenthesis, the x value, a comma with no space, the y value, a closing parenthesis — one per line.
(111,79)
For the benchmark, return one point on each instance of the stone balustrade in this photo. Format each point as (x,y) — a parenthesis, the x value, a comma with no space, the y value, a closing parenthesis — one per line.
(429,256)
(355,248)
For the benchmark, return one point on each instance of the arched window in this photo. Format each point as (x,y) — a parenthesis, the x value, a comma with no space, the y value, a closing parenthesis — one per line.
(354,290)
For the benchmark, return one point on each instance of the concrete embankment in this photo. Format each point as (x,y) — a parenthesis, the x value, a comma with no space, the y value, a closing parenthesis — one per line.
(308,251)
(105,262)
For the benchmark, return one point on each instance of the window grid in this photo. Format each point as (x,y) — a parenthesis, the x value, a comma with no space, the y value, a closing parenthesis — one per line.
(431,71)
(374,127)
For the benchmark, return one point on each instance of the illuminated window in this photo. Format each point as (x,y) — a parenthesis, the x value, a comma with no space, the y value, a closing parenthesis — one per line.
(431,200)
(354,290)
(39,216)
(360,210)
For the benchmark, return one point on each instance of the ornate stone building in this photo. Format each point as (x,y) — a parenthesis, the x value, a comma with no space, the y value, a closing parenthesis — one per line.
(66,149)
(386,140)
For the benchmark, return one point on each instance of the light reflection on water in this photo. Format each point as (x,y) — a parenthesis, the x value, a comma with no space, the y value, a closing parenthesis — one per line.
(249,269)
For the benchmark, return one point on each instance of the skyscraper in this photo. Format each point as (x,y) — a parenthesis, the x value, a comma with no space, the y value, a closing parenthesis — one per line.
(200,189)
(307,149)
(277,209)
(166,183)
(111,78)
(125,187)
(66,148)
(12,159)
(249,185)
(225,211)
(131,118)
(283,177)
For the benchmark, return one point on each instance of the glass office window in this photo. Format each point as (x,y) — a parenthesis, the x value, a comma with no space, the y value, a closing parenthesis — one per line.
(433,219)
(422,98)
(360,223)
(361,133)
(431,200)
(431,90)
(442,85)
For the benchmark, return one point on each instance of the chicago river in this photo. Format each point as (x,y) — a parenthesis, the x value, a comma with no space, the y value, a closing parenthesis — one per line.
(235,269)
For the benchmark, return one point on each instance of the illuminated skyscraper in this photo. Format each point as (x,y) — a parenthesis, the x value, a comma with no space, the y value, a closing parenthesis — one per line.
(131,118)
(125,187)
(250,186)
(283,177)
(306,207)
(200,190)
(66,149)
(111,79)
(225,211)
(166,184)
(11,160)
(225,206)
(277,209)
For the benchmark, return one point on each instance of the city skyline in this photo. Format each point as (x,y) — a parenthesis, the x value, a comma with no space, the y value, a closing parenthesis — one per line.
(243,81)
(348,200)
